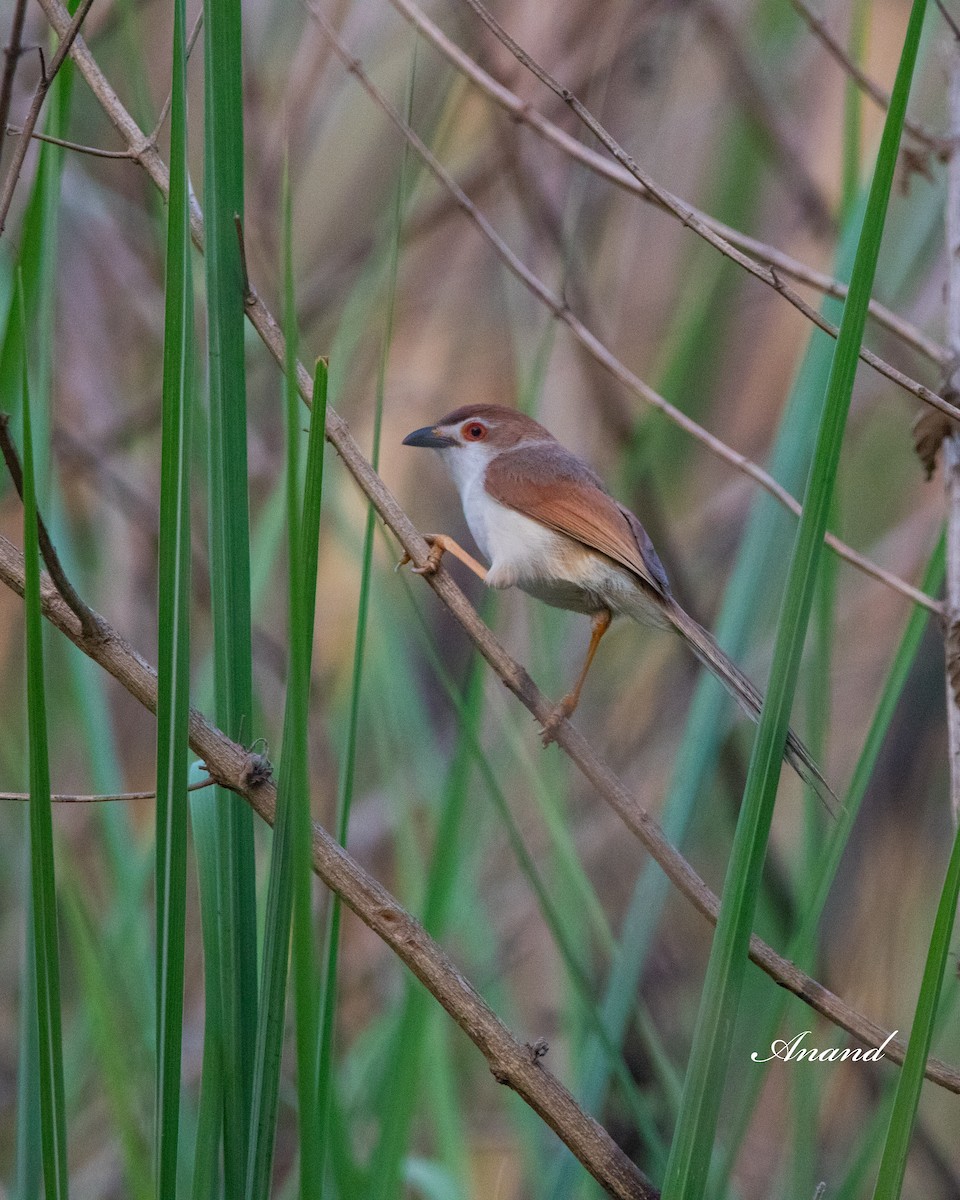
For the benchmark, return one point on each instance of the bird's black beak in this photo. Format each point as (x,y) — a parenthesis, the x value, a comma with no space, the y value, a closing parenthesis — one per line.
(429,436)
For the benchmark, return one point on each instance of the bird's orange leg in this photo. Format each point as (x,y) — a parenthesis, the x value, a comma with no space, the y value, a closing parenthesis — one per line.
(566,707)
(440,544)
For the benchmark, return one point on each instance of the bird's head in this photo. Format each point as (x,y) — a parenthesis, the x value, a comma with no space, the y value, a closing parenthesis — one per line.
(470,436)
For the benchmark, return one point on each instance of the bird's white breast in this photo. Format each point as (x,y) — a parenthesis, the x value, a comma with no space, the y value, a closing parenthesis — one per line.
(522,552)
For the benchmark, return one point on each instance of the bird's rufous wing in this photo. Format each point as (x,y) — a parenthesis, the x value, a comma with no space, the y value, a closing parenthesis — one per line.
(549,484)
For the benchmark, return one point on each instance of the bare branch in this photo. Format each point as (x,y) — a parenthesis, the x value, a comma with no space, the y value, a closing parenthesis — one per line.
(93,151)
(66,798)
(936,142)
(951,448)
(191,42)
(690,218)
(331,862)
(47,76)
(526,114)
(592,344)
(11,56)
(85,615)
(511,1061)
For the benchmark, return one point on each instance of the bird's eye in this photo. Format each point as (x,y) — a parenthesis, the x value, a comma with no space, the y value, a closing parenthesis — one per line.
(473,431)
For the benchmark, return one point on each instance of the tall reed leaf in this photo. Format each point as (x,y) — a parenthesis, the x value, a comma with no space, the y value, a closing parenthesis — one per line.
(703,1088)
(305,967)
(53,1123)
(385,1178)
(288,896)
(230,561)
(893,1163)
(173,636)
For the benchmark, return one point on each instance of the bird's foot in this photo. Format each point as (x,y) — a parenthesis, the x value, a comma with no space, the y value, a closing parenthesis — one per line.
(437,549)
(551,725)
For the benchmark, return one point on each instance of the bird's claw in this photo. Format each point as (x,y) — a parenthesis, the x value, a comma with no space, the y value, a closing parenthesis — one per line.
(552,724)
(432,564)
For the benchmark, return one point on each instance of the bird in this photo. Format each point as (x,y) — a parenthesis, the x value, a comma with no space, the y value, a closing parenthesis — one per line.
(548,525)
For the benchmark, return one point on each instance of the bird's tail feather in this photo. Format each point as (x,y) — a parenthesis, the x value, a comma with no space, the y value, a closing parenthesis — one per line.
(748,697)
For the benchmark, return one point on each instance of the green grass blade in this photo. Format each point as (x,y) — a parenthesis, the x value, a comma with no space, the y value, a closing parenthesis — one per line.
(173,634)
(29,1139)
(230,562)
(118,1069)
(204,818)
(801,946)
(893,1163)
(271,1014)
(703,1088)
(288,896)
(305,976)
(53,1122)
(325,1065)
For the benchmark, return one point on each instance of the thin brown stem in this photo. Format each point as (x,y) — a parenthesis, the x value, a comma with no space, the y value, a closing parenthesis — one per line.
(93,151)
(11,57)
(47,76)
(85,615)
(191,42)
(602,165)
(691,219)
(936,142)
(594,346)
(66,798)
(226,760)
(951,448)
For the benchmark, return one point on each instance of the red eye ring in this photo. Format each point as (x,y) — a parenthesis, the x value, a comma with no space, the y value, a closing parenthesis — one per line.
(473,431)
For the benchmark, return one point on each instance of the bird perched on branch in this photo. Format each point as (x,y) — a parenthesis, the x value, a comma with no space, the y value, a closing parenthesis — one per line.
(548,526)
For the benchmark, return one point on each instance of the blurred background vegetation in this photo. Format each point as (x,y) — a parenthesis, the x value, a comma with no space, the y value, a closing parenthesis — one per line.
(735,106)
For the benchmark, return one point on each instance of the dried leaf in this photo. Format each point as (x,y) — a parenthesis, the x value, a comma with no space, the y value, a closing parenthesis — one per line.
(929,430)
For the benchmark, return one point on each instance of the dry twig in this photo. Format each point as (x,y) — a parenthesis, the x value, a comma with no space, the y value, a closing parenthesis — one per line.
(361,893)
(67,798)
(84,613)
(229,764)
(936,142)
(47,76)
(592,344)
(11,56)
(524,113)
(690,218)
(951,449)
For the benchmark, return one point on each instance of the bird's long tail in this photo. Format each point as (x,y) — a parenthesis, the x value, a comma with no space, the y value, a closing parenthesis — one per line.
(747,696)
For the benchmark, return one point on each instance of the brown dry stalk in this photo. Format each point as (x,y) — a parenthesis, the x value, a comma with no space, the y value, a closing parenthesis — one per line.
(936,142)
(229,765)
(224,757)
(684,213)
(11,57)
(47,76)
(951,447)
(594,346)
(512,1063)
(601,164)
(145,152)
